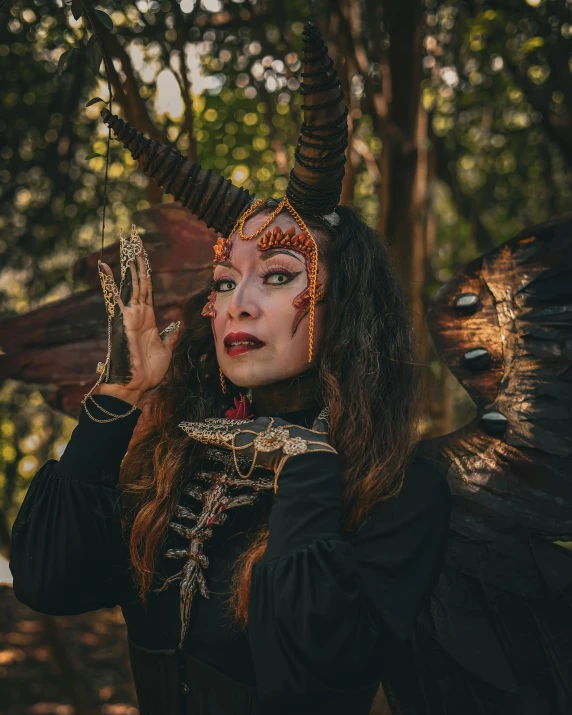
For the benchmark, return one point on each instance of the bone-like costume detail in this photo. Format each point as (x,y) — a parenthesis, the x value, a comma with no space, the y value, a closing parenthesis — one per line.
(223,491)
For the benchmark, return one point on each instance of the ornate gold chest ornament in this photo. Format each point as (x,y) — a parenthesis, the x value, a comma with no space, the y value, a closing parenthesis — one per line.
(223,489)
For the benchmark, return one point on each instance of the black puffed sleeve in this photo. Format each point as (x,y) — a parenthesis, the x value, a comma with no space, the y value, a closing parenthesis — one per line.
(328,616)
(67,554)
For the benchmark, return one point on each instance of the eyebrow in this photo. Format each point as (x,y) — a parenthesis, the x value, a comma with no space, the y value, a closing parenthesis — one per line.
(273,251)
(264,257)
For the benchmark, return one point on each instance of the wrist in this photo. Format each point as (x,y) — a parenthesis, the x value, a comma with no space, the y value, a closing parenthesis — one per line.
(122,393)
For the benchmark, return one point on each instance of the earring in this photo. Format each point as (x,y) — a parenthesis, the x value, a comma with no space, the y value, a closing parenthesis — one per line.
(222,381)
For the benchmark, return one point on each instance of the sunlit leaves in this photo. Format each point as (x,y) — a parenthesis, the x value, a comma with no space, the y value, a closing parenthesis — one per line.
(92,155)
(538,73)
(28,465)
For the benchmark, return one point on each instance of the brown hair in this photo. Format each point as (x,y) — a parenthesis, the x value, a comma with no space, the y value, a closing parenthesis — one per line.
(367,377)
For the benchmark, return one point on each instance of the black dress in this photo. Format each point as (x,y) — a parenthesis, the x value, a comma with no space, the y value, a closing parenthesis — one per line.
(328,618)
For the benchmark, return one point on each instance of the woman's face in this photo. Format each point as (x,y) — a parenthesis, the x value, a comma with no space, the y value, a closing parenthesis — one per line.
(260,328)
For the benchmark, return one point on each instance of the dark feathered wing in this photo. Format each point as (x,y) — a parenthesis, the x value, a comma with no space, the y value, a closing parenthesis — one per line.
(496,636)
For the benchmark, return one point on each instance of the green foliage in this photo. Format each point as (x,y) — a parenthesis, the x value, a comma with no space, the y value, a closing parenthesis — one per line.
(492,99)
(245,76)
(30,434)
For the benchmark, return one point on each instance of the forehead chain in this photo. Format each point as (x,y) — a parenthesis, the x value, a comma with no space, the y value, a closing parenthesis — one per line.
(310,247)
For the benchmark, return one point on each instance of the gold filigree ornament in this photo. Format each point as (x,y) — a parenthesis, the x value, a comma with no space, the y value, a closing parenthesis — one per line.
(129,248)
(274,437)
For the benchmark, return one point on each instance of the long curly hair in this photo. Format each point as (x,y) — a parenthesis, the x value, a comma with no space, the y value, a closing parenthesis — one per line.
(367,376)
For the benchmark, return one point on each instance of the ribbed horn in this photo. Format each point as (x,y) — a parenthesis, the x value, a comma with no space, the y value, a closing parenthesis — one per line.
(213,199)
(315,182)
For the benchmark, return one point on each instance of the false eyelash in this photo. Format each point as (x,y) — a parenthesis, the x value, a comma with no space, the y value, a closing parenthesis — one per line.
(278,269)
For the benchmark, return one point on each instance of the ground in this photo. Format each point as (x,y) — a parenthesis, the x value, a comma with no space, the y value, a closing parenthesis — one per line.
(68,665)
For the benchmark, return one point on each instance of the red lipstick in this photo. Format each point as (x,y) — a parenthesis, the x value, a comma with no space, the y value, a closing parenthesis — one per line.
(239,343)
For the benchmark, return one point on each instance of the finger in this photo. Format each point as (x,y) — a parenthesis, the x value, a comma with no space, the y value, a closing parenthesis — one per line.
(170,335)
(134,281)
(149,296)
(143,280)
(171,340)
(119,302)
(110,291)
(107,270)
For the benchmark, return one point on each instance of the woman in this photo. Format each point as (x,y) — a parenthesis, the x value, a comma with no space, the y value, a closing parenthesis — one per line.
(274,555)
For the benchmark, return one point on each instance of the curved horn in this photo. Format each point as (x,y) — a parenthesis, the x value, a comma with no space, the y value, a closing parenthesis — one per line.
(213,199)
(315,182)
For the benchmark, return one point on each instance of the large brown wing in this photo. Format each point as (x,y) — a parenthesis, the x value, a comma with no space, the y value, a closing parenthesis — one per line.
(496,636)
(57,346)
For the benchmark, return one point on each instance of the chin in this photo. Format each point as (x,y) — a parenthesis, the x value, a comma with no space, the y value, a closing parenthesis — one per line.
(257,376)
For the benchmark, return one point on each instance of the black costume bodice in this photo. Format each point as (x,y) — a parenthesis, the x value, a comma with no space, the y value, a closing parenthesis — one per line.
(328,617)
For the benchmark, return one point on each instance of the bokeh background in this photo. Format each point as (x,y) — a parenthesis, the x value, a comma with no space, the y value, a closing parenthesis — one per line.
(460,136)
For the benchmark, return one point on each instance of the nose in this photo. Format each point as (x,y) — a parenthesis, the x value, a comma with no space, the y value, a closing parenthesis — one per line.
(243,303)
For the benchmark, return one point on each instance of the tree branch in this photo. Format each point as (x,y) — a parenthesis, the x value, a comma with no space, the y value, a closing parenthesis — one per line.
(183,80)
(126,94)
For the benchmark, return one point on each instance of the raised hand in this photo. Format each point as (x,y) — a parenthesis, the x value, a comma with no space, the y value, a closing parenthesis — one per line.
(139,355)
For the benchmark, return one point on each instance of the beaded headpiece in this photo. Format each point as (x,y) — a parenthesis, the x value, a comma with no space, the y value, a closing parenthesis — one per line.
(315,183)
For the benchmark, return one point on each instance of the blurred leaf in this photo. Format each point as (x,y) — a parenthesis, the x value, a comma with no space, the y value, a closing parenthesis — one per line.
(533,44)
(64,58)
(77,9)
(104,18)
(94,56)
(95,100)
(92,156)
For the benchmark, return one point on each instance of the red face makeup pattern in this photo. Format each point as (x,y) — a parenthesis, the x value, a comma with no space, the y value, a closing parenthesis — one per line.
(302,243)
(209,311)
